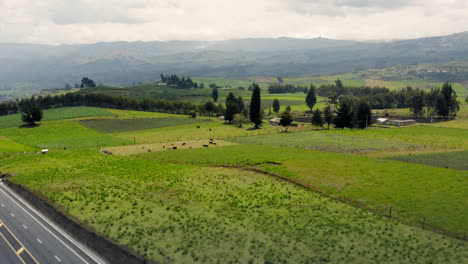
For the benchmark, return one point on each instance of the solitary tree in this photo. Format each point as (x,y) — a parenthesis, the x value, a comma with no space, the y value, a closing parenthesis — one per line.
(311,99)
(214,94)
(240,103)
(276,105)
(364,115)
(31,113)
(86,82)
(344,114)
(286,120)
(288,108)
(328,116)
(317,118)
(255,106)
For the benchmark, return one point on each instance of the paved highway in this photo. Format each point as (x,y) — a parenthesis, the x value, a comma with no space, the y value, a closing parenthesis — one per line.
(27,236)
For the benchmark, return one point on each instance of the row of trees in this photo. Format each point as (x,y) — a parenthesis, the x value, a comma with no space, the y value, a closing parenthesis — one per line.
(180,83)
(438,101)
(349,113)
(286,88)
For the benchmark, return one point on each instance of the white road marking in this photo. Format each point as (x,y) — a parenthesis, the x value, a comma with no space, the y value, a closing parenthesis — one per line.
(67,246)
(58,259)
(12,214)
(39,241)
(25,227)
(3,205)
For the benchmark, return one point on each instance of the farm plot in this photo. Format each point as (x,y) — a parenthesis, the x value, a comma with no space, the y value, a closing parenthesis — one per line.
(56,114)
(454,160)
(187,214)
(319,140)
(413,191)
(59,135)
(127,125)
(165,146)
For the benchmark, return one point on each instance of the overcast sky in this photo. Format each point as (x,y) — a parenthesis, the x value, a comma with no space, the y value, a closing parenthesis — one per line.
(89,21)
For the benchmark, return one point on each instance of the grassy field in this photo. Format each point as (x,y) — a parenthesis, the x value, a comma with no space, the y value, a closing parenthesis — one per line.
(217,130)
(9,146)
(437,137)
(57,114)
(196,214)
(454,160)
(126,125)
(321,140)
(413,191)
(60,134)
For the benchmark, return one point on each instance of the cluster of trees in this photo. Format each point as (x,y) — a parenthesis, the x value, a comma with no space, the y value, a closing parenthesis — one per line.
(438,101)
(350,112)
(179,83)
(286,88)
(234,105)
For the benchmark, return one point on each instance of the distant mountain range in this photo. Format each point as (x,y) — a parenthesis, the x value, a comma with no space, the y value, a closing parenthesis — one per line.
(121,63)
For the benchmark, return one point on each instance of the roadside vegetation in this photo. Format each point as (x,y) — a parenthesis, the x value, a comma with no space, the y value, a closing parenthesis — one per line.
(186,213)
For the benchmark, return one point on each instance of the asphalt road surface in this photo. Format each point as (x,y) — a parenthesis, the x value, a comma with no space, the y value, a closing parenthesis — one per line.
(27,236)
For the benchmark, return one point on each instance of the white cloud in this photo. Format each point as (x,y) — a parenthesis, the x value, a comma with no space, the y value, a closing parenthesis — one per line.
(85,21)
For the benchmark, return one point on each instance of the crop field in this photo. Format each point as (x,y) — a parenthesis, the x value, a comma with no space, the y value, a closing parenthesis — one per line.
(126,125)
(59,135)
(454,160)
(187,214)
(321,140)
(413,191)
(9,146)
(57,114)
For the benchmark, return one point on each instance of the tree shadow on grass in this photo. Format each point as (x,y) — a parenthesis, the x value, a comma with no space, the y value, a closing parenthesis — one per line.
(29,125)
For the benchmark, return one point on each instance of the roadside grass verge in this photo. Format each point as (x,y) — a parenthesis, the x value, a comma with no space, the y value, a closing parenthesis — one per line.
(413,191)
(452,160)
(60,134)
(9,146)
(56,114)
(187,213)
(127,125)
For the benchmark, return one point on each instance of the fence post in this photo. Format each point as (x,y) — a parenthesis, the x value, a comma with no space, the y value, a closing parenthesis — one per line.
(423,222)
(390,215)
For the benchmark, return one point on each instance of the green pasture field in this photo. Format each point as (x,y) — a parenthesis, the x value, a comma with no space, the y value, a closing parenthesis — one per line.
(9,146)
(56,114)
(437,137)
(187,214)
(320,140)
(219,130)
(413,191)
(454,160)
(127,125)
(458,123)
(60,134)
